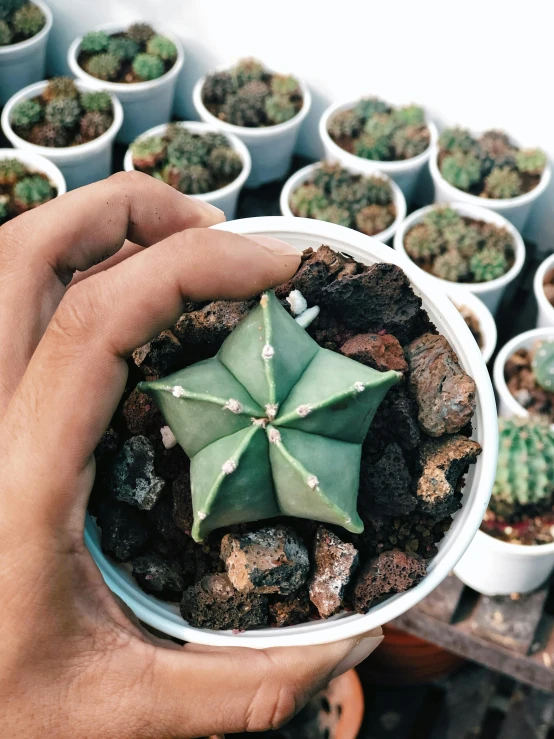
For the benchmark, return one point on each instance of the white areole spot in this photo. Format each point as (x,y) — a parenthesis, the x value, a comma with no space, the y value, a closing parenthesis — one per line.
(233,405)
(359,387)
(168,437)
(201,515)
(297,302)
(264,300)
(274,436)
(260,422)
(304,410)
(229,466)
(313,482)
(178,391)
(268,351)
(271,410)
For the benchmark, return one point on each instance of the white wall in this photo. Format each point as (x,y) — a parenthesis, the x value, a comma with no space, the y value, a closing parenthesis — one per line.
(481,63)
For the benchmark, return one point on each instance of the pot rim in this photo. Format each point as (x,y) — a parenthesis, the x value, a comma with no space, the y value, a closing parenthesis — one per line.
(38,163)
(505,547)
(461,297)
(545,266)
(27,43)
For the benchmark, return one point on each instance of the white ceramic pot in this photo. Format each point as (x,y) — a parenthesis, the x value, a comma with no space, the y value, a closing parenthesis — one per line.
(271,148)
(306,173)
(81,164)
(226,197)
(24,63)
(545,314)
(36,163)
(302,233)
(404,172)
(507,404)
(494,567)
(145,104)
(516,210)
(490,292)
(462,297)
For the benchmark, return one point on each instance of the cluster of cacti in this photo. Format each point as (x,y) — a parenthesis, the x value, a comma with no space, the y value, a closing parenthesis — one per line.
(190,162)
(136,55)
(459,249)
(21,189)
(373,129)
(249,95)
(543,364)
(336,195)
(525,473)
(62,116)
(282,424)
(490,166)
(19,20)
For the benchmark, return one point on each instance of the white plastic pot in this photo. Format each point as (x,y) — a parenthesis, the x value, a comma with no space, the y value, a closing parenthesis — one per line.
(81,164)
(302,233)
(516,210)
(36,163)
(490,292)
(145,104)
(306,173)
(405,172)
(545,314)
(24,63)
(507,404)
(226,197)
(464,298)
(271,148)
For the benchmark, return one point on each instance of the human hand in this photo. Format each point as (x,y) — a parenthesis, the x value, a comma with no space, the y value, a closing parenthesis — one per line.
(72,662)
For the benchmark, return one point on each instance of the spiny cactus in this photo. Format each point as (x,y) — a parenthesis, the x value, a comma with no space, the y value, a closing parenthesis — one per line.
(186,148)
(488,264)
(307,200)
(148,151)
(217,87)
(140,32)
(461,170)
(345,123)
(5,37)
(531,161)
(4,208)
(374,219)
(410,141)
(163,47)
(381,125)
(422,242)
(122,47)
(284,84)
(95,42)
(28,20)
(442,218)
(216,141)
(277,413)
(32,191)
(224,163)
(467,239)
(503,183)
(543,364)
(410,115)
(26,113)
(148,67)
(60,87)
(333,214)
(495,144)
(47,134)
(349,191)
(103,66)
(64,112)
(371,147)
(279,108)
(94,124)
(11,170)
(247,70)
(195,180)
(450,266)
(247,107)
(457,139)
(378,190)
(370,106)
(525,471)
(96,102)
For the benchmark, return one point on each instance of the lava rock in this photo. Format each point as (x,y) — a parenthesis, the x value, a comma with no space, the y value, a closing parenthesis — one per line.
(379,298)
(159,357)
(395,422)
(163,523)
(213,323)
(270,560)
(290,610)
(170,463)
(329,332)
(317,270)
(141,415)
(335,563)
(443,462)
(124,531)
(158,576)
(386,487)
(133,479)
(183,514)
(380,351)
(388,573)
(213,603)
(107,447)
(445,394)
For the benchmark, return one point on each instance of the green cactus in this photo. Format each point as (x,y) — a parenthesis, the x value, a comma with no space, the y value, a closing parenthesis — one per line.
(284,84)
(94,124)
(423,242)
(28,20)
(450,266)
(370,147)
(9,7)
(410,115)
(442,218)
(224,163)
(104,66)
(195,180)
(95,42)
(26,113)
(11,170)
(531,161)
(368,107)
(247,107)
(374,219)
(148,67)
(148,151)
(216,141)
(60,87)
(410,141)
(4,208)
(543,364)
(277,413)
(186,148)
(525,471)
(5,36)
(503,182)
(349,191)
(488,264)
(140,32)
(308,199)
(217,87)
(123,48)
(96,102)
(247,70)
(163,47)
(32,191)
(279,108)
(464,237)
(461,170)
(333,214)
(345,124)
(64,112)
(381,125)
(328,175)
(496,145)
(378,190)
(49,135)
(457,139)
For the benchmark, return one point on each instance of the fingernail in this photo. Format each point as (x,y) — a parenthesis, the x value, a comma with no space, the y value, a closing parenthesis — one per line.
(362,650)
(274,245)
(211,209)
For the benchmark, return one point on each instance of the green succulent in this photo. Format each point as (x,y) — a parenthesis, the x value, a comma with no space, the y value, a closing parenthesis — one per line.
(49,135)
(9,7)
(163,47)
(350,192)
(279,108)
(103,66)
(32,191)
(345,124)
(368,107)
(195,180)
(496,146)
(186,148)
(95,42)
(28,20)
(148,66)
(543,364)
(123,48)
(464,237)
(328,175)
(381,125)
(26,113)
(4,208)
(378,190)
(148,151)
(5,37)
(60,87)
(277,412)
(488,264)
(308,199)
(247,107)
(370,147)
(423,242)
(216,141)
(96,102)
(11,170)
(531,161)
(461,170)
(503,182)
(440,218)
(410,141)
(140,32)
(457,140)
(284,84)
(450,266)
(64,112)
(224,163)
(374,219)
(247,70)
(217,87)
(410,115)
(333,214)
(94,124)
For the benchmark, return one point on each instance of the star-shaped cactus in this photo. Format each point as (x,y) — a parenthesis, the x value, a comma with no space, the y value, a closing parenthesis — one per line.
(273,424)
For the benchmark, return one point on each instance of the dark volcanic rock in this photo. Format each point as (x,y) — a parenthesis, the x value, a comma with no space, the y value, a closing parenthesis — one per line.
(213,603)
(142,415)
(124,531)
(107,446)
(386,487)
(317,270)
(159,357)
(394,422)
(133,479)
(159,576)
(389,573)
(290,609)
(163,523)
(334,564)
(182,502)
(382,352)
(213,323)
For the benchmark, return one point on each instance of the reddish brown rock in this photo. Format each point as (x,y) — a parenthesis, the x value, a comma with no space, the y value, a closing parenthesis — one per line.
(213,603)
(159,357)
(141,415)
(290,610)
(335,562)
(317,270)
(388,573)
(445,394)
(329,332)
(443,462)
(213,323)
(382,352)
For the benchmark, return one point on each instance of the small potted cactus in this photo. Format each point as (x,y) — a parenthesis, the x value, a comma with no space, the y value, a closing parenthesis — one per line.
(478,318)
(262,108)
(139,63)
(372,204)
(195,158)
(26,181)
(370,133)
(24,30)
(543,286)
(514,550)
(461,244)
(68,122)
(490,170)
